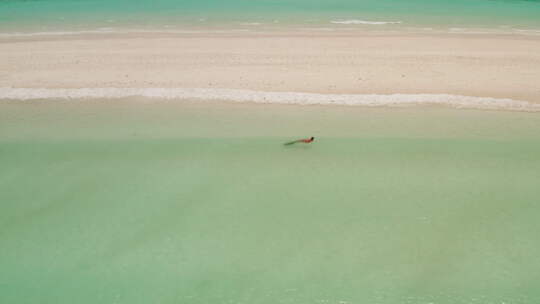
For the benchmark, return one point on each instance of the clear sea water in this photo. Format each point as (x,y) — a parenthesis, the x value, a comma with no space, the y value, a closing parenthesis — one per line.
(149,202)
(63,15)
(138,201)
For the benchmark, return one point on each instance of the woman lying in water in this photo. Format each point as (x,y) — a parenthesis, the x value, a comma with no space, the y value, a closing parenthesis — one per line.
(305,141)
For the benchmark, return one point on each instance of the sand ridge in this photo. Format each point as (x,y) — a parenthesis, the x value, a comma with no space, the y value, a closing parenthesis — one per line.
(471,65)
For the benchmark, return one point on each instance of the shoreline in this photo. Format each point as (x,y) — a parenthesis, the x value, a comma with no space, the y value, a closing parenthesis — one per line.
(256,30)
(263,97)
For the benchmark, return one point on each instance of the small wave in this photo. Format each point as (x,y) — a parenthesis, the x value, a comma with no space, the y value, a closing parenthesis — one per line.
(527,32)
(369,100)
(356,21)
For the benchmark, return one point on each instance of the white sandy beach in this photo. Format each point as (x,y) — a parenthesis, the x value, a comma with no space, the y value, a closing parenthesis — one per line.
(499,66)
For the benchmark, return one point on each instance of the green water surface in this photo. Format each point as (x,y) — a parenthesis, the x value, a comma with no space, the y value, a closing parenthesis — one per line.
(141,203)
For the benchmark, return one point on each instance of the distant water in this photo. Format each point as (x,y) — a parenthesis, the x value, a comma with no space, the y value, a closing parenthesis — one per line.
(457,15)
(135,202)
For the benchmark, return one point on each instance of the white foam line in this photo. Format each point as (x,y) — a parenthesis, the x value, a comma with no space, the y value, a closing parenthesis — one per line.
(111,31)
(369,100)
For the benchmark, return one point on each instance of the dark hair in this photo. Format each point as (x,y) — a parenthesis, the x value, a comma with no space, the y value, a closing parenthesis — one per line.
(312,138)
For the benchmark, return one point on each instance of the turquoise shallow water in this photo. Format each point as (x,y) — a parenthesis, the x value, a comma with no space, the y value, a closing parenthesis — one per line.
(90,14)
(142,203)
